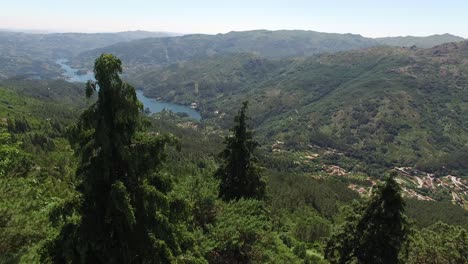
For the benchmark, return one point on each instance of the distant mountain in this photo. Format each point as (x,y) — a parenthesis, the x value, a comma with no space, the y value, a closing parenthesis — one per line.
(272,44)
(57,45)
(394,106)
(140,34)
(32,31)
(27,54)
(422,42)
(26,67)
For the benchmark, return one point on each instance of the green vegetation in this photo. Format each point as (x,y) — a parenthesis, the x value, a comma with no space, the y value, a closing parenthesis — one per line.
(27,67)
(372,233)
(107,187)
(383,106)
(123,214)
(12,156)
(440,243)
(38,166)
(239,175)
(25,55)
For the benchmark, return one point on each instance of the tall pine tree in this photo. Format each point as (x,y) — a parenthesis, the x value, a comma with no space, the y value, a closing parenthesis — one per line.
(374,233)
(123,213)
(239,174)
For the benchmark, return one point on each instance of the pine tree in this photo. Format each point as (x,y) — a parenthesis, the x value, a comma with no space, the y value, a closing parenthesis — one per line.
(239,174)
(123,213)
(375,233)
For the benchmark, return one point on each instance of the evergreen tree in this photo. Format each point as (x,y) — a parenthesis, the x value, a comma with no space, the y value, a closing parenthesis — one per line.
(372,234)
(123,213)
(239,175)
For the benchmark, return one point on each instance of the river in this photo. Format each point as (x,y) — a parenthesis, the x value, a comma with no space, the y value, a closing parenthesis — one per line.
(153,105)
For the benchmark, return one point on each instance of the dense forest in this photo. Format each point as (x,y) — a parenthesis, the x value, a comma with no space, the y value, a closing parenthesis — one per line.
(112,185)
(312,148)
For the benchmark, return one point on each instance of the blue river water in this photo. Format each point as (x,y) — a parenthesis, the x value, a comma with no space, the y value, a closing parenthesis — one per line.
(153,105)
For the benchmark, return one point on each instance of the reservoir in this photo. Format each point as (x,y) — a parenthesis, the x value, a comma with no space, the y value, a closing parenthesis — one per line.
(153,105)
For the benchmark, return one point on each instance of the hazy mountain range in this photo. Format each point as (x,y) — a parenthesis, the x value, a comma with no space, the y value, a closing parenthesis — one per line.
(32,53)
(374,97)
(271,44)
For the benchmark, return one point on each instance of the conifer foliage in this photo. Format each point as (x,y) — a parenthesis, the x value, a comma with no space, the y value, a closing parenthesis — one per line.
(123,213)
(240,176)
(373,234)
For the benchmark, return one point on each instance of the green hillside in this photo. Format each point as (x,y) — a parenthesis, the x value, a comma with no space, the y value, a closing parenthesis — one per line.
(33,55)
(292,225)
(36,162)
(391,106)
(24,66)
(305,203)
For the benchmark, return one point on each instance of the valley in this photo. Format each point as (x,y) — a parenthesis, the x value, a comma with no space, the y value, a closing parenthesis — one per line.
(333,124)
(150,105)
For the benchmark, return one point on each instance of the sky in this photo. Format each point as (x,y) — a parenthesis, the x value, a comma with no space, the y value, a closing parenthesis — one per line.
(376,18)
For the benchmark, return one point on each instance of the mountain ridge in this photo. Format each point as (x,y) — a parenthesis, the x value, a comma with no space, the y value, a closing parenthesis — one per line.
(422,42)
(33,55)
(270,44)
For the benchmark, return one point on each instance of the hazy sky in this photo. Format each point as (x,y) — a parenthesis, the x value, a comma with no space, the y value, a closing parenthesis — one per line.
(374,18)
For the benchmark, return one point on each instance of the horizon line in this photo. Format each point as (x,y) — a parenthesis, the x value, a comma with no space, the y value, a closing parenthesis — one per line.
(59,31)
